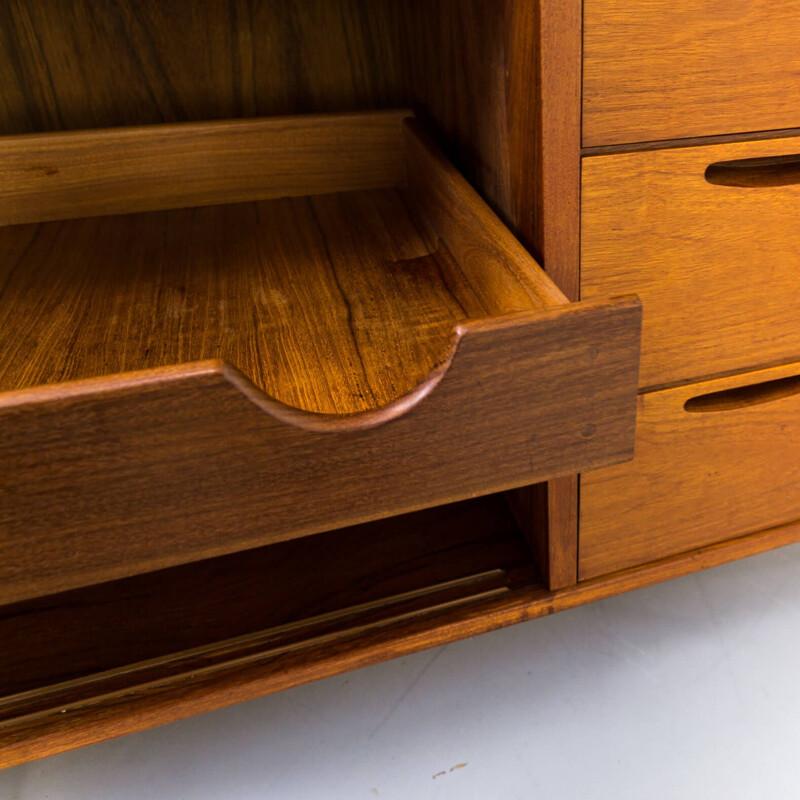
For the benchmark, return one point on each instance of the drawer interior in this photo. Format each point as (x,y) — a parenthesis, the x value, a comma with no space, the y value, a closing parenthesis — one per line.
(334,302)
(272,617)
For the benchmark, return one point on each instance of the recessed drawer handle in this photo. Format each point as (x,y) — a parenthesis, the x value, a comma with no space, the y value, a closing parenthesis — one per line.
(755,172)
(743,396)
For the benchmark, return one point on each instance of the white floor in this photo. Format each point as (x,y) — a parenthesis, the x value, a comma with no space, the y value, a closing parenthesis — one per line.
(686,690)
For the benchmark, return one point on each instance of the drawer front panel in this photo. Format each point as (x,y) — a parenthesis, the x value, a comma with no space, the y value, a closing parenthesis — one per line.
(717,265)
(714,460)
(667,69)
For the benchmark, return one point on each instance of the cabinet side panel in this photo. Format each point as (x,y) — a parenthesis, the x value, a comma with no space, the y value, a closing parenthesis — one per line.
(499,82)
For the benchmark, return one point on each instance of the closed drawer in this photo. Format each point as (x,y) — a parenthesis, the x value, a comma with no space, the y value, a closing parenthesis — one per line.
(660,69)
(709,239)
(714,460)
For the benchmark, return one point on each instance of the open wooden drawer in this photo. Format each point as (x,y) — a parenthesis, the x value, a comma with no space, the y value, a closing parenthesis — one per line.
(347,333)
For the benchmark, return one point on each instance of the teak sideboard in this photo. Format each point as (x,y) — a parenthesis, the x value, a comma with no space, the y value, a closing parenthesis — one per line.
(333,330)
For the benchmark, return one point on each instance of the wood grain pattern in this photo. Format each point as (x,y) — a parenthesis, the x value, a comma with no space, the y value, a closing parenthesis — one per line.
(554,226)
(700,475)
(188,61)
(666,70)
(499,270)
(558,515)
(91,720)
(471,67)
(192,462)
(523,116)
(498,80)
(333,304)
(559,126)
(278,595)
(145,168)
(456,64)
(698,254)
(343,320)
(547,514)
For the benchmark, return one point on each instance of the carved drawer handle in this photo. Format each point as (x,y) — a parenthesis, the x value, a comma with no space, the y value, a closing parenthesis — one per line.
(755,172)
(743,396)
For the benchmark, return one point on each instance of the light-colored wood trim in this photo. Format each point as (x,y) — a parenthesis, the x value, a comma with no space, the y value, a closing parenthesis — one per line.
(659,70)
(713,460)
(717,267)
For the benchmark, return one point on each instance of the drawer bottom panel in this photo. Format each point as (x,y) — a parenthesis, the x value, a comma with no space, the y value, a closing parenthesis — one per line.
(713,460)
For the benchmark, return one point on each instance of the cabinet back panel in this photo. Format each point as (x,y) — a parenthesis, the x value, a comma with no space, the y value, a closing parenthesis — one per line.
(72,64)
(469,67)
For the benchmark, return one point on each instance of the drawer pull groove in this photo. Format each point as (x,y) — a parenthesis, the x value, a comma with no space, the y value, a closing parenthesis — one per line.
(744,396)
(755,172)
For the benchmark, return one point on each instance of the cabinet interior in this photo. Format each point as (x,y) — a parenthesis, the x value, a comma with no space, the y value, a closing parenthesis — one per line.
(270,607)
(95,283)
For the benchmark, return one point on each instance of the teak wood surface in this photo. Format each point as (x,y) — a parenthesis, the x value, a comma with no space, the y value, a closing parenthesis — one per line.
(717,266)
(332,304)
(473,535)
(671,69)
(548,49)
(357,350)
(713,460)
(497,80)
(145,168)
(268,601)
(185,61)
(178,464)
